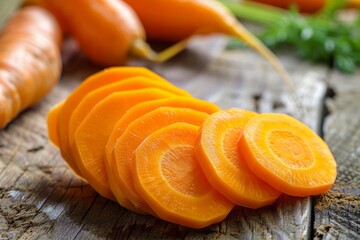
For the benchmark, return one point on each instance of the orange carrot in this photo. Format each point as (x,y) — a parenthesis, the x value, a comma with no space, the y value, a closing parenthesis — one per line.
(93,82)
(136,112)
(167,175)
(107,31)
(52,123)
(30,62)
(288,155)
(180,19)
(224,167)
(91,99)
(134,83)
(132,137)
(93,132)
(45,4)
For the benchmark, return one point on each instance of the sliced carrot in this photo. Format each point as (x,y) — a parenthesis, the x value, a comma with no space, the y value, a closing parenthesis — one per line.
(96,96)
(288,155)
(145,107)
(92,134)
(136,112)
(168,177)
(95,81)
(134,135)
(224,167)
(52,122)
(128,84)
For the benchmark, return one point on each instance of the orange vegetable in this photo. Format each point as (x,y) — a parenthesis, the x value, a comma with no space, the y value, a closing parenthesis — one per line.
(107,31)
(52,123)
(180,19)
(30,61)
(45,4)
(133,114)
(136,138)
(226,170)
(91,99)
(132,137)
(96,96)
(288,155)
(93,132)
(167,175)
(93,82)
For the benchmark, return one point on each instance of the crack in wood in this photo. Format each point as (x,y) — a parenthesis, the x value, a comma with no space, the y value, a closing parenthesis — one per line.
(35,149)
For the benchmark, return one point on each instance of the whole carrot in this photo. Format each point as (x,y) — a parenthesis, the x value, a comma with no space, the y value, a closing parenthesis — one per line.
(107,31)
(45,4)
(176,20)
(30,61)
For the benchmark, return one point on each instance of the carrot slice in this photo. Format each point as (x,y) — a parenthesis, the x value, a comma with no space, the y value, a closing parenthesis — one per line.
(95,96)
(52,122)
(92,134)
(134,135)
(95,81)
(128,84)
(136,112)
(224,167)
(169,178)
(143,108)
(288,155)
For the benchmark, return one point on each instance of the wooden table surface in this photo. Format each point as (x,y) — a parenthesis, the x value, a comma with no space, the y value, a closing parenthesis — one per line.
(41,198)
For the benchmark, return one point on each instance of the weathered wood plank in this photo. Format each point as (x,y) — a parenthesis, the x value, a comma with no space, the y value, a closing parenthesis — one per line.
(41,198)
(337,212)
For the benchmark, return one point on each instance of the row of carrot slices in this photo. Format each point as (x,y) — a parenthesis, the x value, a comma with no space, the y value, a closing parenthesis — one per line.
(155,149)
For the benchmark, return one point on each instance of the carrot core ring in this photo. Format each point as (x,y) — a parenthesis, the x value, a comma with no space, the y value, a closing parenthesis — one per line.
(298,154)
(288,155)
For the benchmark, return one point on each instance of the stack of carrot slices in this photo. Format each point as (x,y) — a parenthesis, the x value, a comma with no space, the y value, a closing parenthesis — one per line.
(155,149)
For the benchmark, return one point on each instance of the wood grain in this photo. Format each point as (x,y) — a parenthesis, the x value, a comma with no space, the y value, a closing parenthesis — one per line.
(337,212)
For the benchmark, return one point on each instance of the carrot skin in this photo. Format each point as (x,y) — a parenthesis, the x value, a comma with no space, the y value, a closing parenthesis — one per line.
(30,61)
(104,29)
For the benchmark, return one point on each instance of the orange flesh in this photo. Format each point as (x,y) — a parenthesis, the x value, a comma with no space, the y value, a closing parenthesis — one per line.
(224,167)
(92,134)
(288,155)
(95,81)
(168,177)
(52,122)
(135,134)
(145,107)
(96,96)
(136,112)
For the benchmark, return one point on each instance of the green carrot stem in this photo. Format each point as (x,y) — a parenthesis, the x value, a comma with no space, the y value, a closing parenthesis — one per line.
(256,12)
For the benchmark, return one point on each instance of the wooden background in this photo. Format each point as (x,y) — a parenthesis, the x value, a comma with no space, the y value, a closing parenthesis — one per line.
(41,198)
